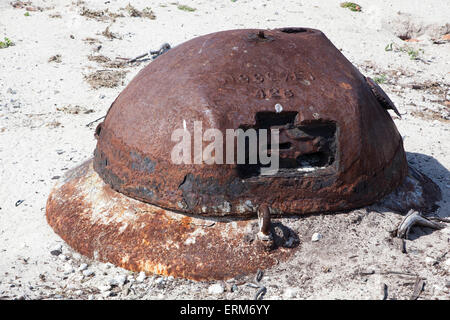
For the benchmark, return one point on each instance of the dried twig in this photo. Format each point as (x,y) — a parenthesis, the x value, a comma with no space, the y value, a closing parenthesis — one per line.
(95,121)
(414,218)
(260,293)
(400,273)
(259,275)
(154,54)
(384,291)
(418,288)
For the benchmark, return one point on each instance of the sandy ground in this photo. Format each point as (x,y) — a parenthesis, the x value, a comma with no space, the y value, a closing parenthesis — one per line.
(46,104)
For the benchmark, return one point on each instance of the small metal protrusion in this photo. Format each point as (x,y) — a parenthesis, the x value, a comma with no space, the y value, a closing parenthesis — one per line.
(98,130)
(264,223)
(260,36)
(381,96)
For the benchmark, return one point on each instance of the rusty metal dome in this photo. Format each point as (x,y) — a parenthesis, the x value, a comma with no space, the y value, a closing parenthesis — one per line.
(331,120)
(339,149)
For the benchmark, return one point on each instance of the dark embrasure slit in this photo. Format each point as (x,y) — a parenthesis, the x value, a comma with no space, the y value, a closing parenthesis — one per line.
(302,148)
(293,30)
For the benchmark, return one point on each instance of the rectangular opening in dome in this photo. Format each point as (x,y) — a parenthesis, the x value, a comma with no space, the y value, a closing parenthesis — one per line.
(304,148)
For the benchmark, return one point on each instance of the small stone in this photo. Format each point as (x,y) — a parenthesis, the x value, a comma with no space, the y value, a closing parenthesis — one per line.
(78,293)
(170,278)
(68,269)
(447,262)
(234,288)
(430,261)
(11,91)
(316,237)
(141,277)
(76,256)
(88,273)
(104,288)
(82,267)
(118,281)
(56,250)
(290,293)
(216,288)
(62,257)
(90,297)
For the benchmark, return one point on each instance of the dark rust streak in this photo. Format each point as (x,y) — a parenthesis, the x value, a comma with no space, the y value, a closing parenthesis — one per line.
(154,240)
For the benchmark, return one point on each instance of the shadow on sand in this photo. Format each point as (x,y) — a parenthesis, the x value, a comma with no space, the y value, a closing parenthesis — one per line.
(441,177)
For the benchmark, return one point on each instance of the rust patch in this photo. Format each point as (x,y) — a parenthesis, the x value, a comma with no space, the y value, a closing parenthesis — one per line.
(345,86)
(103,224)
(228,80)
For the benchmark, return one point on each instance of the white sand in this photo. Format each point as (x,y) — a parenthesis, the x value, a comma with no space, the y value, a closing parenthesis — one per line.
(38,142)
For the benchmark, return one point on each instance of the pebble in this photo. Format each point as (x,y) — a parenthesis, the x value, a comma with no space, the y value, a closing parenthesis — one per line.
(316,237)
(429,260)
(62,257)
(76,256)
(11,91)
(216,288)
(72,286)
(290,293)
(83,267)
(159,280)
(118,281)
(56,250)
(68,269)
(88,273)
(447,262)
(104,288)
(141,277)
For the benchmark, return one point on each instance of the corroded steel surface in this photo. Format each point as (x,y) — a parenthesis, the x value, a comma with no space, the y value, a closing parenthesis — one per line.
(234,79)
(103,224)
